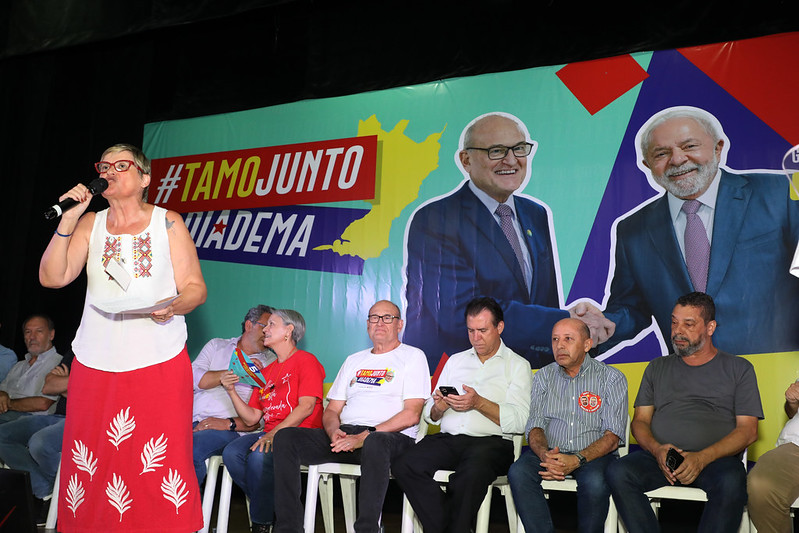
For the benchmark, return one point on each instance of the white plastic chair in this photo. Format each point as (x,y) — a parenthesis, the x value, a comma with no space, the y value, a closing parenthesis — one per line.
(52,512)
(794,505)
(223,512)
(212,465)
(319,482)
(678,492)
(410,522)
(570,485)
(225,491)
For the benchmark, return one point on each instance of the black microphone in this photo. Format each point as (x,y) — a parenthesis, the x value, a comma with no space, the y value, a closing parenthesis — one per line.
(95,187)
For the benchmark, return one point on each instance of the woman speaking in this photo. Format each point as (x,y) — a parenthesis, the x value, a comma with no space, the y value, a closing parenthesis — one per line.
(126,456)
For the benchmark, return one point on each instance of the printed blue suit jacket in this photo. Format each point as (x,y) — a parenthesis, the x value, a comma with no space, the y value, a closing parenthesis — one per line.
(755,232)
(456,251)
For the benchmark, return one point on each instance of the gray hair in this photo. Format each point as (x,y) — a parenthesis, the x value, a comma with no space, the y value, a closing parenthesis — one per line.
(708,122)
(291,317)
(255,313)
(138,157)
(46,318)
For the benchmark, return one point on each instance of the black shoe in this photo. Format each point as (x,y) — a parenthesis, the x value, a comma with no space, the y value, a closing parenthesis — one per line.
(41,508)
(261,528)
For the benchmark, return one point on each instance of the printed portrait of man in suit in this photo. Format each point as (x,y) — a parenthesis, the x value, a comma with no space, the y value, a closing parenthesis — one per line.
(729,233)
(485,239)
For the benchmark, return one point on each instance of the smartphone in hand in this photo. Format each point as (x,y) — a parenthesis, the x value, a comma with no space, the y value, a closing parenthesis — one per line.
(673,459)
(446,390)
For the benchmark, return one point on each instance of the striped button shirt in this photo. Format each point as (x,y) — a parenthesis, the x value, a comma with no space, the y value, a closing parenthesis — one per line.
(576,411)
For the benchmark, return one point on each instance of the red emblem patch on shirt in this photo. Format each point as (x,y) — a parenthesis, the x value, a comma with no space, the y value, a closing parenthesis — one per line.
(589,401)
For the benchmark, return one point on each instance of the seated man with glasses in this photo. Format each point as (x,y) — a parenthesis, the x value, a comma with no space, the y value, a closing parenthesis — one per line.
(483,239)
(373,408)
(214,418)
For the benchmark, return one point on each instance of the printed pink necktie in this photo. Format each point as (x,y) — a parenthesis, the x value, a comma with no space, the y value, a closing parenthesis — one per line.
(697,246)
(506,223)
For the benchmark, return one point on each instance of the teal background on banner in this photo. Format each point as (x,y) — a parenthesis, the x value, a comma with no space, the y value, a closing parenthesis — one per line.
(568,173)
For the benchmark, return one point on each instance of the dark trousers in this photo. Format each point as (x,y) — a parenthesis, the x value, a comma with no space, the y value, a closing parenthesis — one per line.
(305,446)
(724,481)
(476,461)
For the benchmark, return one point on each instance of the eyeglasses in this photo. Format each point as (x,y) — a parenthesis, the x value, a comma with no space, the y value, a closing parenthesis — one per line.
(260,324)
(499,151)
(387,319)
(120,166)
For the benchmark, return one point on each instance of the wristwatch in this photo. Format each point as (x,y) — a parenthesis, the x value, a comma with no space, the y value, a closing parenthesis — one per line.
(581,457)
(371,429)
(232,424)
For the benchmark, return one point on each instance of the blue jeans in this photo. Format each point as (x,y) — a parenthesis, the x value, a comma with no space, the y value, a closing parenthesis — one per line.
(206,443)
(10,416)
(724,481)
(593,494)
(33,443)
(303,446)
(254,472)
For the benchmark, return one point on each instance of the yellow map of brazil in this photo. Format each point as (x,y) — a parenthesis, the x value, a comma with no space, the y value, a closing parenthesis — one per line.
(402,165)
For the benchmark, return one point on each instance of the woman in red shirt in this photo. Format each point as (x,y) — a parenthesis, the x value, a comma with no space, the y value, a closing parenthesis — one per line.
(292,396)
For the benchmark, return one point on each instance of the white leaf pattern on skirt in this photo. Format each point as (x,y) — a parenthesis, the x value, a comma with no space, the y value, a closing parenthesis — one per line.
(121,428)
(118,495)
(75,494)
(153,452)
(174,489)
(84,459)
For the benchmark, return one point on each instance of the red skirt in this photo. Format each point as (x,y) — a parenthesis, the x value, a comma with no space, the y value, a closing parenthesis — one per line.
(126,462)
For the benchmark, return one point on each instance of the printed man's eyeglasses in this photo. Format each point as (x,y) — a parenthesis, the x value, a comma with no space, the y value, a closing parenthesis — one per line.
(387,319)
(499,151)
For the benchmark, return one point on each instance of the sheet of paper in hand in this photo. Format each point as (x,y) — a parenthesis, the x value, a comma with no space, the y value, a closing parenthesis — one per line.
(242,366)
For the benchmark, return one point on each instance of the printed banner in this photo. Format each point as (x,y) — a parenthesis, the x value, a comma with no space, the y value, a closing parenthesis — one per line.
(290,237)
(326,206)
(306,173)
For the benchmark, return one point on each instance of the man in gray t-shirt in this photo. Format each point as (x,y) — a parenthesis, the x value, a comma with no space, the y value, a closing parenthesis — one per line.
(696,411)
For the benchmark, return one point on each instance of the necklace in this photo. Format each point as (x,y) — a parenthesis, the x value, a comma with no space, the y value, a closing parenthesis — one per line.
(267,393)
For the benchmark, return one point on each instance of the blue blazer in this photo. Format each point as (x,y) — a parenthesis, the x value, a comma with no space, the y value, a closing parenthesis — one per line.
(456,251)
(755,232)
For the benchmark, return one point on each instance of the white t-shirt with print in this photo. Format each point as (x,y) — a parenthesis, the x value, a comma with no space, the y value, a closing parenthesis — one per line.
(376,385)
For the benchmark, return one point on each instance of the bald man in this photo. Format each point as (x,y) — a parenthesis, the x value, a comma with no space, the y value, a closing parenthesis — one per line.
(485,239)
(578,417)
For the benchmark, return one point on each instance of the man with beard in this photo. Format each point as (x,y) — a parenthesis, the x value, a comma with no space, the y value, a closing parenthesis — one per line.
(730,235)
(695,413)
